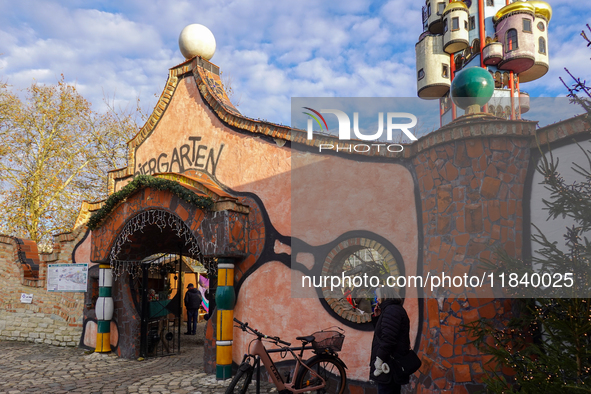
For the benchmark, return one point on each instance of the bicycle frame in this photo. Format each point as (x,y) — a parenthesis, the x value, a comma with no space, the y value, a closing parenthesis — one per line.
(258,349)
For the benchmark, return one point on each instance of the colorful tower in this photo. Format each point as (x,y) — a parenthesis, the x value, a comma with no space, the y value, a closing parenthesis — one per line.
(507,38)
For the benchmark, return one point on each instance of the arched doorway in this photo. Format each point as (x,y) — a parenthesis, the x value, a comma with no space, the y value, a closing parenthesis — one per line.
(154,221)
(149,256)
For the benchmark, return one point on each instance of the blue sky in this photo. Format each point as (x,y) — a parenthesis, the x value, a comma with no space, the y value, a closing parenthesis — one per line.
(271,50)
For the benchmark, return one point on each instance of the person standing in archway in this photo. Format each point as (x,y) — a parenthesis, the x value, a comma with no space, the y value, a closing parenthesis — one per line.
(192,303)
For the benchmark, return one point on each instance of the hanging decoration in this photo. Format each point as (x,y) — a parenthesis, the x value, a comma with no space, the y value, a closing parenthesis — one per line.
(154,217)
(142,181)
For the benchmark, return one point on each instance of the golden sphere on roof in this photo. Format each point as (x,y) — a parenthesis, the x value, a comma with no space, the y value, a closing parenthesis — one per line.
(542,8)
(518,6)
(455,5)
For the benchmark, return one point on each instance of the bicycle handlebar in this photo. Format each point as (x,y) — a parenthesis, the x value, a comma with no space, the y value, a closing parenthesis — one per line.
(245,327)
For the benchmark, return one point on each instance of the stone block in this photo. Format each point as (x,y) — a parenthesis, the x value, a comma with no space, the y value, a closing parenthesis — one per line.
(443,224)
(490,187)
(451,172)
(462,373)
(494,210)
(446,350)
(474,148)
(461,158)
(444,197)
(473,218)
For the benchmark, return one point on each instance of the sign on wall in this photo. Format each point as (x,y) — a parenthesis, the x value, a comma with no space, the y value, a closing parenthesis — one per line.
(26,298)
(67,277)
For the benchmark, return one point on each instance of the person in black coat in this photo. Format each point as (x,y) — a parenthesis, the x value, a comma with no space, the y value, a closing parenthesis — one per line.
(192,303)
(390,340)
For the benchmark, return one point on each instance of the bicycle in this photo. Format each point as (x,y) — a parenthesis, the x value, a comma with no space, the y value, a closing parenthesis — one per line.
(323,373)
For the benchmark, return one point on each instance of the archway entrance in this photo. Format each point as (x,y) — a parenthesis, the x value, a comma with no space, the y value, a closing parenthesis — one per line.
(143,256)
(142,246)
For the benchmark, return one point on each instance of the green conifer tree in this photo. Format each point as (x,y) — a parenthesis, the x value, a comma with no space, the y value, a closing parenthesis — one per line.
(546,346)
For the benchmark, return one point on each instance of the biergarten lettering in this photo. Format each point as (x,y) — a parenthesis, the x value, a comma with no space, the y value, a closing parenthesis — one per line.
(187,156)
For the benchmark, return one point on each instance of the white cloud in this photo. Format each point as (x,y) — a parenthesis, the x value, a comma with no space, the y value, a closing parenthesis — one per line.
(272,50)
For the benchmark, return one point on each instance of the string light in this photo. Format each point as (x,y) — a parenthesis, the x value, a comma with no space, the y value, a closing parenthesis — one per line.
(162,220)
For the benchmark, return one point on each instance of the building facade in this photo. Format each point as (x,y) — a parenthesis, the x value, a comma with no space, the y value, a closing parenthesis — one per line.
(507,38)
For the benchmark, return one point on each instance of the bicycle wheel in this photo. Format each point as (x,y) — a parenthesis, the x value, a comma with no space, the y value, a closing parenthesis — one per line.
(330,368)
(241,381)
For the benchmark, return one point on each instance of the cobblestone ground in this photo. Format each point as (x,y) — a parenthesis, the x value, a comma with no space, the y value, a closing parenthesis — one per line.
(37,368)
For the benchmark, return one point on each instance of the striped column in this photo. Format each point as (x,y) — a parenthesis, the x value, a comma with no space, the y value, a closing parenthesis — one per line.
(104,310)
(225,299)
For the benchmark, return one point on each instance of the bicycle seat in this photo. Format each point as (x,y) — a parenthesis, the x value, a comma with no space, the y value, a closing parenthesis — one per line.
(308,338)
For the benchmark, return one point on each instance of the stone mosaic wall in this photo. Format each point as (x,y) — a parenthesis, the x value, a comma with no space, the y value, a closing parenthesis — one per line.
(52,318)
(472,192)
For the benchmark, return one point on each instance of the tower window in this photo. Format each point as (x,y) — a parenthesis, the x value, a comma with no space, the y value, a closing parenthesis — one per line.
(465,25)
(511,40)
(440,8)
(542,45)
(475,46)
(472,23)
(421,74)
(490,3)
(455,24)
(526,25)
(445,71)
(541,26)
(429,9)
(445,25)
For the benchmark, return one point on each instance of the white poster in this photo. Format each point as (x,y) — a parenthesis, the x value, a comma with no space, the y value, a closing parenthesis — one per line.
(67,277)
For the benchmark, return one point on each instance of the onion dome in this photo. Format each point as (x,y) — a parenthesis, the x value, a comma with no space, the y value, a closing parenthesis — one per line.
(542,9)
(520,6)
(455,5)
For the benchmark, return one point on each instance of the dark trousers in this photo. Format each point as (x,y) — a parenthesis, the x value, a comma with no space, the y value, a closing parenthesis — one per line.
(391,388)
(192,315)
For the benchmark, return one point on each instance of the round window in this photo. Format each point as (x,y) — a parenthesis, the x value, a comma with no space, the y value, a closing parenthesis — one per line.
(541,26)
(362,264)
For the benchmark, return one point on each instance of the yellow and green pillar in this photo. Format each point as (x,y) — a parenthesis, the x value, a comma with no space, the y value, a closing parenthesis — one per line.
(104,309)
(225,299)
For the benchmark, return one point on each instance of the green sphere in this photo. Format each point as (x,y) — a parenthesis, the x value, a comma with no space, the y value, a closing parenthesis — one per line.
(472,86)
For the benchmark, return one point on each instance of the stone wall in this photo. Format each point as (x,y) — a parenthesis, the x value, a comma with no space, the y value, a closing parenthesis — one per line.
(473,191)
(53,318)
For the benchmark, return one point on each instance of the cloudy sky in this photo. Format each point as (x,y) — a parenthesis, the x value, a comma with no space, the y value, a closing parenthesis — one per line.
(272,50)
